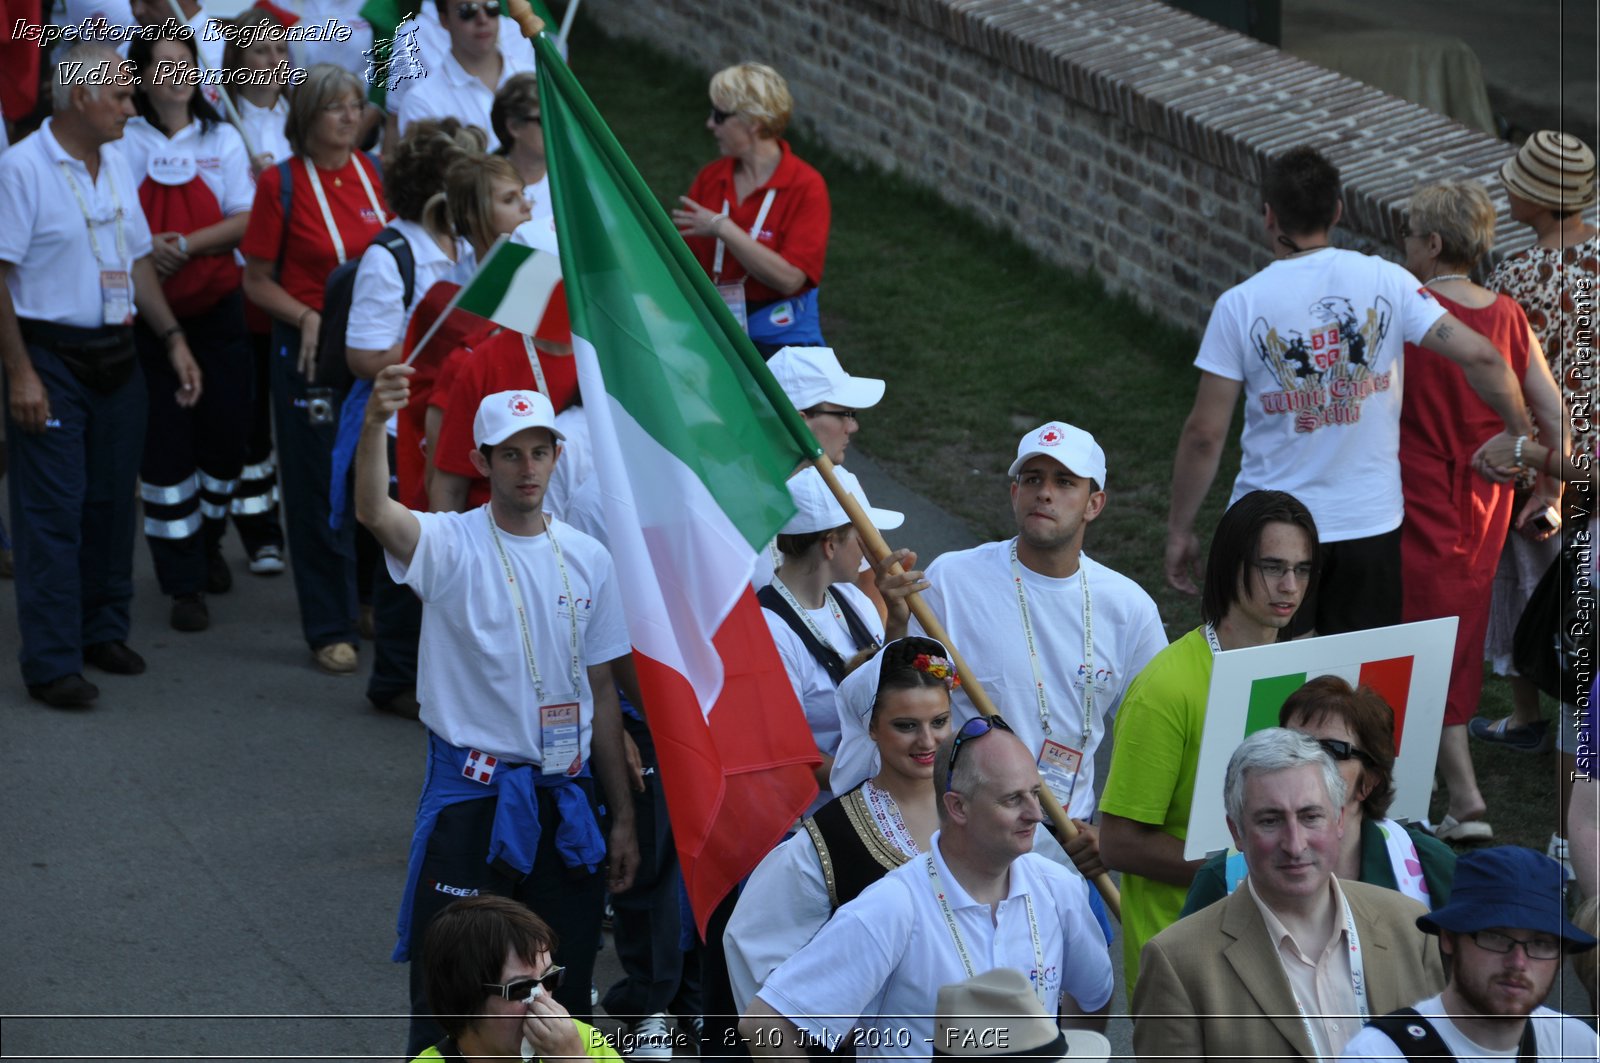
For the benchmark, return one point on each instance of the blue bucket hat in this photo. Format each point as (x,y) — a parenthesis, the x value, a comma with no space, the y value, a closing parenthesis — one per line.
(1507,886)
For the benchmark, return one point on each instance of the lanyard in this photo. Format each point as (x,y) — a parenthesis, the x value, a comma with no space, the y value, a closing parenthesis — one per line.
(88,222)
(961,945)
(805,616)
(538,370)
(1211,640)
(755,232)
(327,215)
(1033,653)
(1358,978)
(522,616)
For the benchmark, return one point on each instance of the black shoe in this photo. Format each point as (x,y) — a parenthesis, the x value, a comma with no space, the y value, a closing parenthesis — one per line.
(189,613)
(114,657)
(68,692)
(219,578)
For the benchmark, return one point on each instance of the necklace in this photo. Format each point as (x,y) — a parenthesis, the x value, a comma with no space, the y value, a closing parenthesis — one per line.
(1445,277)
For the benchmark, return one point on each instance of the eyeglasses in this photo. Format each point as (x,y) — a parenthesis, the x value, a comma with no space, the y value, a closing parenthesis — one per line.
(468,12)
(1342,750)
(1276,570)
(843,415)
(718,116)
(976,727)
(522,988)
(343,108)
(1541,948)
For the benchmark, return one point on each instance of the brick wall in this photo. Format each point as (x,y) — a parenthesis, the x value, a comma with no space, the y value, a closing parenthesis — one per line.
(1122,135)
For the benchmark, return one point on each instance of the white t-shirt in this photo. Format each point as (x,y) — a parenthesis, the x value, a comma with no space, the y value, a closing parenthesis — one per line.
(538,197)
(379,289)
(574,467)
(450,92)
(75,12)
(1559,1037)
(350,54)
(218,154)
(586,512)
(884,955)
(1318,341)
(973,594)
(46,235)
(413,63)
(265,127)
(812,684)
(472,675)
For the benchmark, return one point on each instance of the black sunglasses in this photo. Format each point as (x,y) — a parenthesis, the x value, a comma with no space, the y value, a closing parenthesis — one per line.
(976,727)
(1342,750)
(522,988)
(718,116)
(843,415)
(468,12)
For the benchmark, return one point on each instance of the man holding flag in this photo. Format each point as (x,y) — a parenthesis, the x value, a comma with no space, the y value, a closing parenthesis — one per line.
(521,623)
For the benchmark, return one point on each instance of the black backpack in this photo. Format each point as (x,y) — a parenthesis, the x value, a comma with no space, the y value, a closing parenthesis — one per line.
(1416,1037)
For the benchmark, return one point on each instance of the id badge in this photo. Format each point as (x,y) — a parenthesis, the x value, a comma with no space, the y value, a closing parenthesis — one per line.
(1058,764)
(116,297)
(558,738)
(733,295)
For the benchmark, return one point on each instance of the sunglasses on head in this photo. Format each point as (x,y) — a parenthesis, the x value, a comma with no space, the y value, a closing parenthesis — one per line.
(1342,750)
(718,116)
(522,988)
(469,11)
(976,727)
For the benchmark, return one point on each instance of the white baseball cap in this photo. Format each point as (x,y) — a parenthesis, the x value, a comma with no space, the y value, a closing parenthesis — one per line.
(505,413)
(809,375)
(818,510)
(1072,447)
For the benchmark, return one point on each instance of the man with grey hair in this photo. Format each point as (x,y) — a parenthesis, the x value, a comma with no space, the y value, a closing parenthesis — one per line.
(75,261)
(1291,965)
(979,898)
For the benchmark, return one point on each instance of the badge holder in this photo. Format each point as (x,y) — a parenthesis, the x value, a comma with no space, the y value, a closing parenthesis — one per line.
(116,298)
(1058,767)
(733,295)
(558,736)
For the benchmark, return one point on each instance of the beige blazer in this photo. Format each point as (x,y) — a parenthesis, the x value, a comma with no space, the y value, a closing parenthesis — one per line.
(1211,986)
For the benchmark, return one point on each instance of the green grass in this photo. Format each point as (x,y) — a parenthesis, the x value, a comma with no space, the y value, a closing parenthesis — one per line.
(980,340)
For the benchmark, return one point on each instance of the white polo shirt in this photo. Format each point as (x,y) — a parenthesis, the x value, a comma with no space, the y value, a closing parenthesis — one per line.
(411,66)
(450,92)
(379,288)
(884,955)
(46,235)
(218,154)
(265,127)
(351,54)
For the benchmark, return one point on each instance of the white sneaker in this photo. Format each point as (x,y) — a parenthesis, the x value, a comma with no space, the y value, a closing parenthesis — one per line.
(1557,850)
(650,1038)
(268,561)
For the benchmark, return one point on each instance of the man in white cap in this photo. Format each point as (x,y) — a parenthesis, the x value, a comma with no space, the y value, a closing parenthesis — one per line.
(1051,634)
(521,623)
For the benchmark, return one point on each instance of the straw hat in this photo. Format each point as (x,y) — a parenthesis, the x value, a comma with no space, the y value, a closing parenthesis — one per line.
(996,1015)
(1553,170)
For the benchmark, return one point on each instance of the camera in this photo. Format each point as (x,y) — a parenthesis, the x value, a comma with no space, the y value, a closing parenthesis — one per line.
(1546,521)
(320,406)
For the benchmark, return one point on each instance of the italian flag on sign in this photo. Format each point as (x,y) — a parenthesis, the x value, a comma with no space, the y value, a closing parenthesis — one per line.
(693,441)
(1408,665)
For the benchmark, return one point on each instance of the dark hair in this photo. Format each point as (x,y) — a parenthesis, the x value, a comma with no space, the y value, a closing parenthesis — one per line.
(898,671)
(1370,720)
(1302,188)
(414,174)
(799,545)
(517,99)
(465,949)
(1238,537)
(141,54)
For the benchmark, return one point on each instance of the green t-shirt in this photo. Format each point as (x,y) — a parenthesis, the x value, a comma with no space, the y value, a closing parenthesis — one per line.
(1153,761)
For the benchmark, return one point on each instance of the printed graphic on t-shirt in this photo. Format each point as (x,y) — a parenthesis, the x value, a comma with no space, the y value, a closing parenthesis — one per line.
(1325,374)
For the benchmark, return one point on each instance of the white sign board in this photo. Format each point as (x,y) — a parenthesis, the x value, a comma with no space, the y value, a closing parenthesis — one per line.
(1408,664)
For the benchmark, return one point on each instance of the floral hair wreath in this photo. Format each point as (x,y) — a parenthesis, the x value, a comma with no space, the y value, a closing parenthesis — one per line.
(939,668)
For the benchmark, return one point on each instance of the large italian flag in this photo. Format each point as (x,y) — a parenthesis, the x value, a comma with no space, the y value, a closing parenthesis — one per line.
(692,443)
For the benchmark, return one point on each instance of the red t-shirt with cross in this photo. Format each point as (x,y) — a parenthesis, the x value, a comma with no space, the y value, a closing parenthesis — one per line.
(796,227)
(311,255)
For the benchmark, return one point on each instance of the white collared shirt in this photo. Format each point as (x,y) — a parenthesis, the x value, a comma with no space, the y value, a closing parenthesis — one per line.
(1321,983)
(218,152)
(884,955)
(412,66)
(264,126)
(379,289)
(44,233)
(448,91)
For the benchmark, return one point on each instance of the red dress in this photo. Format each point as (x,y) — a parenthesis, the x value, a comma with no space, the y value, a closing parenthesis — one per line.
(1456,520)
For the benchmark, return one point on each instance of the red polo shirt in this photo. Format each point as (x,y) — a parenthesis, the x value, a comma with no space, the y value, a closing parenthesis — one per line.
(311,256)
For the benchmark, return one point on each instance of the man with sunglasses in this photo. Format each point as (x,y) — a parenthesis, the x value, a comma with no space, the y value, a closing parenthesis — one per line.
(461,82)
(1503,935)
(979,898)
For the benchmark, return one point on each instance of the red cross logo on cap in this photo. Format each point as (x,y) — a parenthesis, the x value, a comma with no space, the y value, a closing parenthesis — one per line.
(1049,437)
(521,406)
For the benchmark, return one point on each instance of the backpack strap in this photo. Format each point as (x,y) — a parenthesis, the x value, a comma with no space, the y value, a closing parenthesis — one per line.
(1412,1034)
(398,246)
(824,654)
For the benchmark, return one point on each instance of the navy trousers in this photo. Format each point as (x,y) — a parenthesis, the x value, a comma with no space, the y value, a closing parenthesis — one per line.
(72,511)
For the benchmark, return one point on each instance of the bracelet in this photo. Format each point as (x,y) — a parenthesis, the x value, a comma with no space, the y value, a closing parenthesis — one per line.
(183,243)
(175,330)
(1517,454)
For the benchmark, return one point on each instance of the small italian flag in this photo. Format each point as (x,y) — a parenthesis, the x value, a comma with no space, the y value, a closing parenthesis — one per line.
(1390,677)
(692,442)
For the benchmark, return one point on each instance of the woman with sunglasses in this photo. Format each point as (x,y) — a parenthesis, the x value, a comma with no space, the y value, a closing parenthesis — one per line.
(486,964)
(1356,728)
(903,694)
(757,218)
